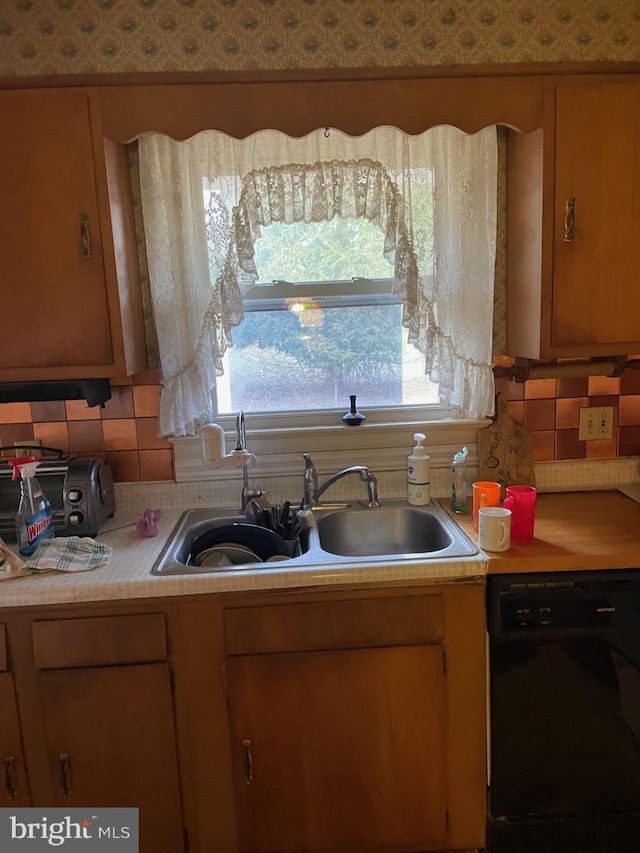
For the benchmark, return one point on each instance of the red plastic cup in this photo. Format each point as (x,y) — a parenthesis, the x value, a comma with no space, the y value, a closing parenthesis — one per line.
(521,500)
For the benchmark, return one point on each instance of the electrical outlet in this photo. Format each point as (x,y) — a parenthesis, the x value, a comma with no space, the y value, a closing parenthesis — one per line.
(596,422)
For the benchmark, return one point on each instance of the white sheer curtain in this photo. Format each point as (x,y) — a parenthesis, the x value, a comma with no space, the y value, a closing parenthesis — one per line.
(206,200)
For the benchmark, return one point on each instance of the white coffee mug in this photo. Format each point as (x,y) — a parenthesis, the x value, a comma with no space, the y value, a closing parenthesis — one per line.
(494,528)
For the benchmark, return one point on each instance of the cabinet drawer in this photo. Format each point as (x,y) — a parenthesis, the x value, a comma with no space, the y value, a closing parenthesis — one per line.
(334,625)
(99,641)
(3,649)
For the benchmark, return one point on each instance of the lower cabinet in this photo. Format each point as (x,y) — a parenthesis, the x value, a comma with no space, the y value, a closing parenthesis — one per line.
(111,742)
(340,750)
(97,714)
(346,721)
(342,732)
(14,791)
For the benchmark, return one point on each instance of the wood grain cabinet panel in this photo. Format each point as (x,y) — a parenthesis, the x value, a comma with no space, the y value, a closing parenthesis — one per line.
(4,662)
(358,724)
(573,219)
(339,750)
(61,252)
(110,737)
(93,699)
(299,723)
(335,624)
(596,298)
(97,641)
(14,791)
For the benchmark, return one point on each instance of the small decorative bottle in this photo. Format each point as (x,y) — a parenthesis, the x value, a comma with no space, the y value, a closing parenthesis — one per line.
(353,416)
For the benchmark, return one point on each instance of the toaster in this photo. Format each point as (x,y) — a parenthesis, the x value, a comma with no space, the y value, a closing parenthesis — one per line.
(79,489)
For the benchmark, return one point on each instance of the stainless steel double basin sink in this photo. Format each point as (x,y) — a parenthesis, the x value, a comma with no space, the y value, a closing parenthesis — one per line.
(355,533)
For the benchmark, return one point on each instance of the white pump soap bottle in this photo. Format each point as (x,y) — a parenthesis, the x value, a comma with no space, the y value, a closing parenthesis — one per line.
(419,474)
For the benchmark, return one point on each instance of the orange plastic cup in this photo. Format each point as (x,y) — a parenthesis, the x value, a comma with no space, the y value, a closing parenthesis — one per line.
(484,494)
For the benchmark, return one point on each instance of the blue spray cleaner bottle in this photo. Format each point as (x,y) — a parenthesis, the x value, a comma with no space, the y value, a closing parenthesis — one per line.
(34,521)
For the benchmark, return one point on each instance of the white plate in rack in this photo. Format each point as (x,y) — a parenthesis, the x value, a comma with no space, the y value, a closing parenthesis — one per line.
(234,554)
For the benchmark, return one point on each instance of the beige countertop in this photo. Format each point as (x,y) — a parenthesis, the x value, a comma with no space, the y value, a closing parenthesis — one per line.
(576,530)
(128,575)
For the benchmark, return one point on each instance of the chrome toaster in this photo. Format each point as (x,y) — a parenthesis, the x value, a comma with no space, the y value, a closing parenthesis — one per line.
(79,489)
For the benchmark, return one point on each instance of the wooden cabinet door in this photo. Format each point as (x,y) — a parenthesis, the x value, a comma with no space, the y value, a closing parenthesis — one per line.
(339,750)
(111,742)
(14,791)
(596,292)
(51,265)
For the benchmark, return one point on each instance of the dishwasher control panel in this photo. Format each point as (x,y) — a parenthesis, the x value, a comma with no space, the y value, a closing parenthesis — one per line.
(575,602)
(570,610)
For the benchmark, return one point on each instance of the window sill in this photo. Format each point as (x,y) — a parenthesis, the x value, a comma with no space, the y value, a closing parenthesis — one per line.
(383,446)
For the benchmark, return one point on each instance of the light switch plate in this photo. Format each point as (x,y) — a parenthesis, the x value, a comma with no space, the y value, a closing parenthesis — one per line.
(596,422)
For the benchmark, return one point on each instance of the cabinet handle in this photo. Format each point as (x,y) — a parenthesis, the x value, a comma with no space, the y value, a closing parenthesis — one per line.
(65,773)
(8,770)
(247,762)
(569,219)
(85,236)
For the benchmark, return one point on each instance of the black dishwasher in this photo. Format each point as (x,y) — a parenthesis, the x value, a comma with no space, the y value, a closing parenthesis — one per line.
(564,658)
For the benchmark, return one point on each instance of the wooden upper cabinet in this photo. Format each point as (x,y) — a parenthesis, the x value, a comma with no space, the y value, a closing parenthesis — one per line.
(596,285)
(573,219)
(68,264)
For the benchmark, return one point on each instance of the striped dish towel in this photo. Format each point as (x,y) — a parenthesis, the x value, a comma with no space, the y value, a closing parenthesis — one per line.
(69,554)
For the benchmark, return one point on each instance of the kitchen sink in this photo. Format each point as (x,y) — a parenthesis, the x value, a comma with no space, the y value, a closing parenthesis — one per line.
(193,523)
(392,530)
(356,533)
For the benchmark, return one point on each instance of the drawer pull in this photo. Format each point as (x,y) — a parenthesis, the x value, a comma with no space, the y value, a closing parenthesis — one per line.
(65,773)
(247,762)
(85,236)
(569,219)
(8,770)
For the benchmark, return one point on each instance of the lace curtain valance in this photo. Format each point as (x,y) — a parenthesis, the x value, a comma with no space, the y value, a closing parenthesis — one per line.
(206,200)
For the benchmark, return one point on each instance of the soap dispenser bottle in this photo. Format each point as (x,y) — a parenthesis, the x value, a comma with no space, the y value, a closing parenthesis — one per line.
(419,474)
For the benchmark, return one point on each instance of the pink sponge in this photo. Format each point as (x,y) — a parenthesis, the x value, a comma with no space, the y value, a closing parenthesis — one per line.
(147,524)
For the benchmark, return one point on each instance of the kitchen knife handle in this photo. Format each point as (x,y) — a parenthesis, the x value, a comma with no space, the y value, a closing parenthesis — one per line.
(569,219)
(85,236)
(8,769)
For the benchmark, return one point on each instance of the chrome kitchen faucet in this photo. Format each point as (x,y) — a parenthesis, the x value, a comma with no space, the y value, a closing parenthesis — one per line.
(313,492)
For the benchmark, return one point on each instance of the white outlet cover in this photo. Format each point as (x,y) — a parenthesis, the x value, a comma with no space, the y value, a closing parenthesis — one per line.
(596,422)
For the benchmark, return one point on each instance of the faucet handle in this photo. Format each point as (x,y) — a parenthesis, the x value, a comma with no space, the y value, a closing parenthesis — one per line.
(310,482)
(310,471)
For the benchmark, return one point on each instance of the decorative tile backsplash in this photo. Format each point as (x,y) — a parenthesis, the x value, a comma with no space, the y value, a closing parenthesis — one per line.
(125,431)
(550,409)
